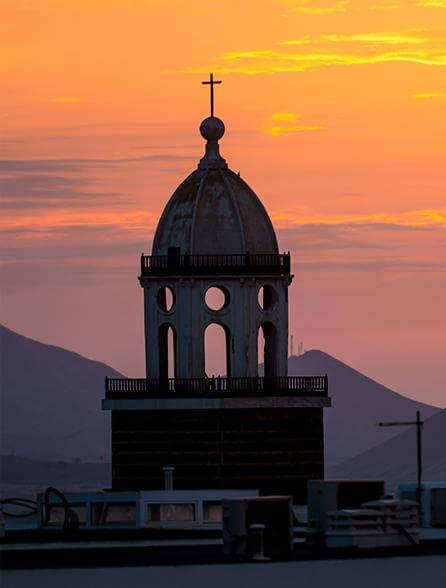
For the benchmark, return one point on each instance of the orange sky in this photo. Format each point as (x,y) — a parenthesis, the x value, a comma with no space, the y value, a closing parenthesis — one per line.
(335,113)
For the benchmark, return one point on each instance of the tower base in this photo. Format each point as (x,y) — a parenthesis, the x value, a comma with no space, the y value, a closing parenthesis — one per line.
(276,450)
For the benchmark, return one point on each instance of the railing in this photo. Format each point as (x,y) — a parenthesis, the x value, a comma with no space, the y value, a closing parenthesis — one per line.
(131,388)
(258,264)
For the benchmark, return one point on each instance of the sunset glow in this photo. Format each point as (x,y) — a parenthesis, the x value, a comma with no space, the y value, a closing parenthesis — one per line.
(335,114)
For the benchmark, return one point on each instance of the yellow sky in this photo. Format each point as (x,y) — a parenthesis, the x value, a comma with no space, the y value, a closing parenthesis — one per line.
(335,113)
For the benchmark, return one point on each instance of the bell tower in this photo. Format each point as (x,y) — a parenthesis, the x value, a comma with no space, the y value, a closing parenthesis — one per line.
(246,429)
(215,234)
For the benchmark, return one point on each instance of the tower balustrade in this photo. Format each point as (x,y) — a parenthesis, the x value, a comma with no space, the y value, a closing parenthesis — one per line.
(263,264)
(215,387)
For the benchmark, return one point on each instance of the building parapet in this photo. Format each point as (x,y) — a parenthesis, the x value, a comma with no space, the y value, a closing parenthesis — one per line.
(216,387)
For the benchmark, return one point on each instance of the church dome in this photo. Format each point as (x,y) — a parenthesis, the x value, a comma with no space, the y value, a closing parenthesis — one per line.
(213,211)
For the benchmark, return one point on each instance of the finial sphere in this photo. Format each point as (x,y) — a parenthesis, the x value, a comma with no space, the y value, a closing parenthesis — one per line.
(212,128)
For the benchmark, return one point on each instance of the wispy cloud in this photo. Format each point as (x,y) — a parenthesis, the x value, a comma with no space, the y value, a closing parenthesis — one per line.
(34,185)
(431,3)
(280,62)
(26,191)
(321,237)
(384,38)
(430,95)
(67,183)
(286,123)
(410,218)
(75,164)
(59,223)
(286,117)
(418,46)
(361,236)
(320,6)
(375,39)
(373,264)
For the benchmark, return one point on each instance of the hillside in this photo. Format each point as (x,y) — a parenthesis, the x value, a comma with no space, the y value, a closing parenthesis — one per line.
(395,459)
(358,404)
(51,401)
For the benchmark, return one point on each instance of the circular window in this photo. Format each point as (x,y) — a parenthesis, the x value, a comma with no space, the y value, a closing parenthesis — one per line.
(266,297)
(216,298)
(165,298)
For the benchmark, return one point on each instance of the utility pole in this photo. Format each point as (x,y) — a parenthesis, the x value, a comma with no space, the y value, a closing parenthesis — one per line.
(419,425)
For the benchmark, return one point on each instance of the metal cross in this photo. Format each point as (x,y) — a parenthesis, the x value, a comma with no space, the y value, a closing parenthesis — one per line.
(211,82)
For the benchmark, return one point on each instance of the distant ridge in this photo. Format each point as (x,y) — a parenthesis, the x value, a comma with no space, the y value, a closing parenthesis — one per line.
(395,459)
(51,401)
(358,404)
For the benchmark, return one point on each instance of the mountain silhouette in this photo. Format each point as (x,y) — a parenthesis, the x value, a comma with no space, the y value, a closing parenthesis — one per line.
(51,401)
(395,459)
(358,404)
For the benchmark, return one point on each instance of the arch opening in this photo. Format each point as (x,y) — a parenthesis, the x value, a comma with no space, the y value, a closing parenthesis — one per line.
(165,298)
(267,349)
(217,348)
(216,298)
(167,351)
(266,297)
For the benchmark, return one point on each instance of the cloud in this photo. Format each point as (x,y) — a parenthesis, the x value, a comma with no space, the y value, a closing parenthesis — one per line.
(431,3)
(76,164)
(74,200)
(374,264)
(280,131)
(354,227)
(352,236)
(49,272)
(34,184)
(327,238)
(329,241)
(94,248)
(288,117)
(375,39)
(286,124)
(383,38)
(42,191)
(413,46)
(430,95)
(50,183)
(27,230)
(75,241)
(281,62)
(410,219)
(320,7)
(56,220)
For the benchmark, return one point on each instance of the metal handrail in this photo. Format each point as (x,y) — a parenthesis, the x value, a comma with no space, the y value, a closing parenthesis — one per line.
(216,387)
(259,263)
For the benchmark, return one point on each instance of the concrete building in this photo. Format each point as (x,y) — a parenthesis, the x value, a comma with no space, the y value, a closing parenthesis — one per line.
(244,430)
